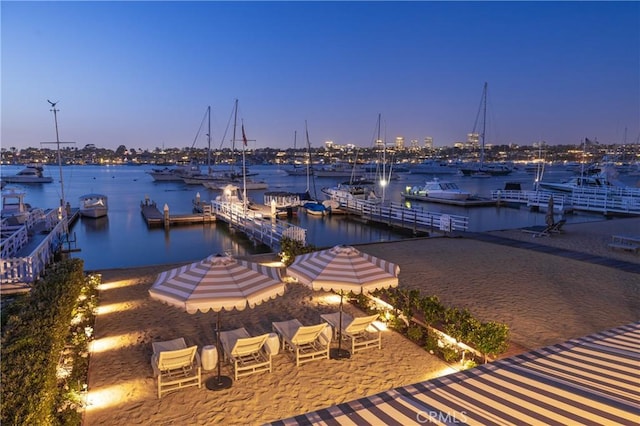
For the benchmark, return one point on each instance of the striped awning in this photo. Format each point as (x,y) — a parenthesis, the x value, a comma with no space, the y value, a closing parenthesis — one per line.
(591,380)
(217,283)
(344,268)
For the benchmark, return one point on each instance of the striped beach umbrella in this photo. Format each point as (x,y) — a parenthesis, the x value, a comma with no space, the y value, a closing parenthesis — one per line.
(218,283)
(343,269)
(589,380)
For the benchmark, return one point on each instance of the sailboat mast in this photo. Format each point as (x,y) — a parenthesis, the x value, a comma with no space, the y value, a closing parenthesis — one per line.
(383,182)
(209,140)
(306,130)
(55,119)
(484,122)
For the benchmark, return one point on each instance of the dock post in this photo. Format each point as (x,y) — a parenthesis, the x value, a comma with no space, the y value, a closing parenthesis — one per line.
(166,215)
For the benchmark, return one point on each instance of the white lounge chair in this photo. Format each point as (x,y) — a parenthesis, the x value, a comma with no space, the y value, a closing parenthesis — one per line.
(175,365)
(360,330)
(307,343)
(247,354)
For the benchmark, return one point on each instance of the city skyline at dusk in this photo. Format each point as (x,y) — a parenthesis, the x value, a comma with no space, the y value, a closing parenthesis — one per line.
(142,74)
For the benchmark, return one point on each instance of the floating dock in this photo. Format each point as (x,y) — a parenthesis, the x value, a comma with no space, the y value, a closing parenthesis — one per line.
(155,218)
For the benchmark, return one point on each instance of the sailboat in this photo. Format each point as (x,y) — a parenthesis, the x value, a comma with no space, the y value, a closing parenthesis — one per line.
(210,176)
(313,207)
(298,170)
(361,188)
(233,178)
(484,170)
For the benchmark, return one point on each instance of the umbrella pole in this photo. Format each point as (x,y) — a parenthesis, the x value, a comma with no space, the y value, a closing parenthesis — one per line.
(219,382)
(340,353)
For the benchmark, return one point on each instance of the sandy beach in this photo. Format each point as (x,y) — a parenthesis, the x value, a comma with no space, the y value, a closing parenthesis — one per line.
(544,298)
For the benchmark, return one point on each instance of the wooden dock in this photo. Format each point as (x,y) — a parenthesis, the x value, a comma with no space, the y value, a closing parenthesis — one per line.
(155,218)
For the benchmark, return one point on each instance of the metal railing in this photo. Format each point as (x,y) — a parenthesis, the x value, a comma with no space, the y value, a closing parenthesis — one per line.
(417,220)
(29,268)
(267,231)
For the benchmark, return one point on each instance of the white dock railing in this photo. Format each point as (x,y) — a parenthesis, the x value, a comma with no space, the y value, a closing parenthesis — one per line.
(610,201)
(267,231)
(29,268)
(396,214)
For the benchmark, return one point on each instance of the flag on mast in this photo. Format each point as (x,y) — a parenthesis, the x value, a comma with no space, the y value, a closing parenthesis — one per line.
(244,137)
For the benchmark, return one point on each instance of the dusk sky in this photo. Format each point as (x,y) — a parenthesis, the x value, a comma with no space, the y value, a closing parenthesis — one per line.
(141,74)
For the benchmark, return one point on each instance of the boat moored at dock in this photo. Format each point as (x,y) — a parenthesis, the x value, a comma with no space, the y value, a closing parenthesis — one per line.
(436,188)
(94,205)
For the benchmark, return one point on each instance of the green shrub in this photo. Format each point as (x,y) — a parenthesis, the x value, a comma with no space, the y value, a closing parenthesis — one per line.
(450,353)
(33,339)
(415,333)
(289,249)
(491,338)
(431,344)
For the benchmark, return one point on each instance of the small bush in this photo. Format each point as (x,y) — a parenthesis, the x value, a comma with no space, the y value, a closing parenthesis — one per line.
(415,333)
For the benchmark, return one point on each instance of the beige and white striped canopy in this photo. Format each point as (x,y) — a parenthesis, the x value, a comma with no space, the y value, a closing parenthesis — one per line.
(217,283)
(344,268)
(594,380)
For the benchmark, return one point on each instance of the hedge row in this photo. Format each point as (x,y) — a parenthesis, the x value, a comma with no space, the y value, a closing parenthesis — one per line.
(33,338)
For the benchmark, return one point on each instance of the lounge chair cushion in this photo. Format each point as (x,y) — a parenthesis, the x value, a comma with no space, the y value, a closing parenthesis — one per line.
(307,343)
(247,354)
(175,365)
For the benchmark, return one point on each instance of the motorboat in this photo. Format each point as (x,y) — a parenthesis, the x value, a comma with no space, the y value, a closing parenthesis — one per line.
(93,205)
(177,174)
(339,170)
(436,188)
(488,169)
(30,174)
(14,209)
(433,167)
(597,182)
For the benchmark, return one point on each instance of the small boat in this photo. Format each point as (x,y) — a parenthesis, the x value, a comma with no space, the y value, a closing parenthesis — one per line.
(432,167)
(316,208)
(14,209)
(592,182)
(359,189)
(436,188)
(480,175)
(339,170)
(93,205)
(251,184)
(30,174)
(177,174)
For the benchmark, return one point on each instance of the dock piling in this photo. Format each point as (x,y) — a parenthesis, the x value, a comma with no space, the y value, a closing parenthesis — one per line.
(166,215)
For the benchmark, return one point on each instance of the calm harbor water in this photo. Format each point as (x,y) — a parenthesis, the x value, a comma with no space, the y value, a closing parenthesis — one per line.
(123,240)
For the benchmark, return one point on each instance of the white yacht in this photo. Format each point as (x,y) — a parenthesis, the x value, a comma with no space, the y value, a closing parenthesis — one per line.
(436,188)
(30,174)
